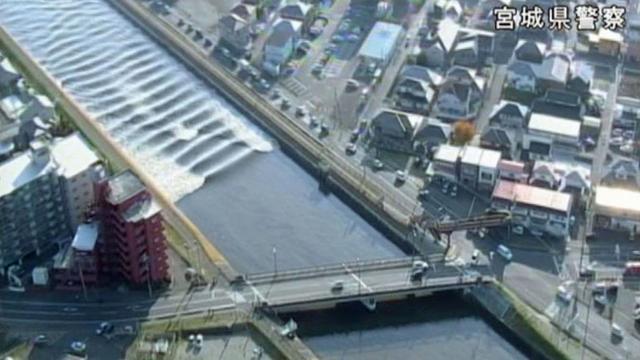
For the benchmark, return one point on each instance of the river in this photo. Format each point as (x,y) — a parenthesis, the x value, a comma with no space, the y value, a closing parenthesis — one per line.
(231,179)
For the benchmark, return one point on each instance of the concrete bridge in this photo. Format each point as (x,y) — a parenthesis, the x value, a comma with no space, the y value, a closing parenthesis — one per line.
(366,281)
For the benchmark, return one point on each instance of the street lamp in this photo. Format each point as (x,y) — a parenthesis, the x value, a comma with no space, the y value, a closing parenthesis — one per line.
(275,260)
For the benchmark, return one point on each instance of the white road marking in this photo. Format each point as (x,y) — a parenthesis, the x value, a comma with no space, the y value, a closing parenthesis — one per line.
(358,279)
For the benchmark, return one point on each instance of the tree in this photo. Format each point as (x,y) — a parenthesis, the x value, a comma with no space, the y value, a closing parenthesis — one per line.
(463,132)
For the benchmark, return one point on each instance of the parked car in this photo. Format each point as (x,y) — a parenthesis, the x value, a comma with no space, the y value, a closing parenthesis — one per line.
(475,256)
(504,252)
(41,340)
(301,111)
(351,148)
(517,229)
(104,328)
(285,104)
(352,84)
(78,347)
(632,268)
(401,176)
(617,331)
(377,164)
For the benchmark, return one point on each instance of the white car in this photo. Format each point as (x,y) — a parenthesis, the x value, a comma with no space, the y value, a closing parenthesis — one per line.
(475,256)
(78,347)
(565,293)
(504,252)
(420,265)
(617,331)
(351,148)
(401,176)
(518,230)
(377,164)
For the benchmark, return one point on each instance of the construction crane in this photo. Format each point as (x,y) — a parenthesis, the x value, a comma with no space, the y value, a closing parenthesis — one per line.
(437,228)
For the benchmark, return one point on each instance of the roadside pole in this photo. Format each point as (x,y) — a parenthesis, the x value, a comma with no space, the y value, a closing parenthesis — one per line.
(84,286)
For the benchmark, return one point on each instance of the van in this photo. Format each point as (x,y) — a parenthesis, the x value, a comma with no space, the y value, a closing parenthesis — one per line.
(504,252)
(632,268)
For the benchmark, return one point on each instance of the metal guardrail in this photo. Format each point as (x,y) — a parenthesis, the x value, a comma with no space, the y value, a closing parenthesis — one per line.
(341,268)
(433,284)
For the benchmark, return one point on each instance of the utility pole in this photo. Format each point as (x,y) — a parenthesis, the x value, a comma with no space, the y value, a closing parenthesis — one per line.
(84,287)
(586,330)
(275,260)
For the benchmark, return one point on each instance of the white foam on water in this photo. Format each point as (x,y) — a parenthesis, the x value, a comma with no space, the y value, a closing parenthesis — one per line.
(172,123)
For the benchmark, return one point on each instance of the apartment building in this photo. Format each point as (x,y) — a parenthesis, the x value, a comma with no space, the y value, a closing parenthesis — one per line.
(133,244)
(43,195)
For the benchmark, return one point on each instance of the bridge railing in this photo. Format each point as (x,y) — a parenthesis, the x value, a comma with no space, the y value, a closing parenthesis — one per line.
(366,265)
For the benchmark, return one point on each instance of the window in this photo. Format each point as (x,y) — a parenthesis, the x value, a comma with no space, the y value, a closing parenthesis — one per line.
(486,176)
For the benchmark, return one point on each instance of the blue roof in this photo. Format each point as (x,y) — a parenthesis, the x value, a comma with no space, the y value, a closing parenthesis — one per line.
(381,41)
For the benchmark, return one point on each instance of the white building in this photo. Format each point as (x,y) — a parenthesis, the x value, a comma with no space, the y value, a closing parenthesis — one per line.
(617,209)
(548,135)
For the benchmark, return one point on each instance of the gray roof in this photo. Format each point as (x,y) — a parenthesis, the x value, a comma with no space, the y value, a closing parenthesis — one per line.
(554,67)
(447,33)
(297,11)
(420,73)
(282,32)
(123,186)
(233,22)
(511,107)
(381,41)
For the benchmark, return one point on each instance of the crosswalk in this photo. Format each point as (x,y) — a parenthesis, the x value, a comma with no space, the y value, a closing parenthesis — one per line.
(334,67)
(295,86)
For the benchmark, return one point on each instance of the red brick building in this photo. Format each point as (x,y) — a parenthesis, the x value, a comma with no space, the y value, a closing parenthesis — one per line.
(132,243)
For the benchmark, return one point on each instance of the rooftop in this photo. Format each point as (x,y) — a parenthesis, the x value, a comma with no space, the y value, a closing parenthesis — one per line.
(73,155)
(86,237)
(615,198)
(447,153)
(474,155)
(123,186)
(532,195)
(554,125)
(70,156)
(511,166)
(381,41)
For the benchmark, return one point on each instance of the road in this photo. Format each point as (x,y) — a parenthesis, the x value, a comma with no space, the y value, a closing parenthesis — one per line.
(275,290)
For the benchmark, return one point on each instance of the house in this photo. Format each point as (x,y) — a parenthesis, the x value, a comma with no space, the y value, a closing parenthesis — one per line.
(501,140)
(559,103)
(466,53)
(298,11)
(236,32)
(573,178)
(460,95)
(479,167)
(529,51)
(449,9)
(604,42)
(415,88)
(77,265)
(246,12)
(9,77)
(616,209)
(432,133)
(394,131)
(514,171)
(623,173)
(509,114)
(445,162)
(548,136)
(280,45)
(580,78)
(437,46)
(381,43)
(552,72)
(538,209)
